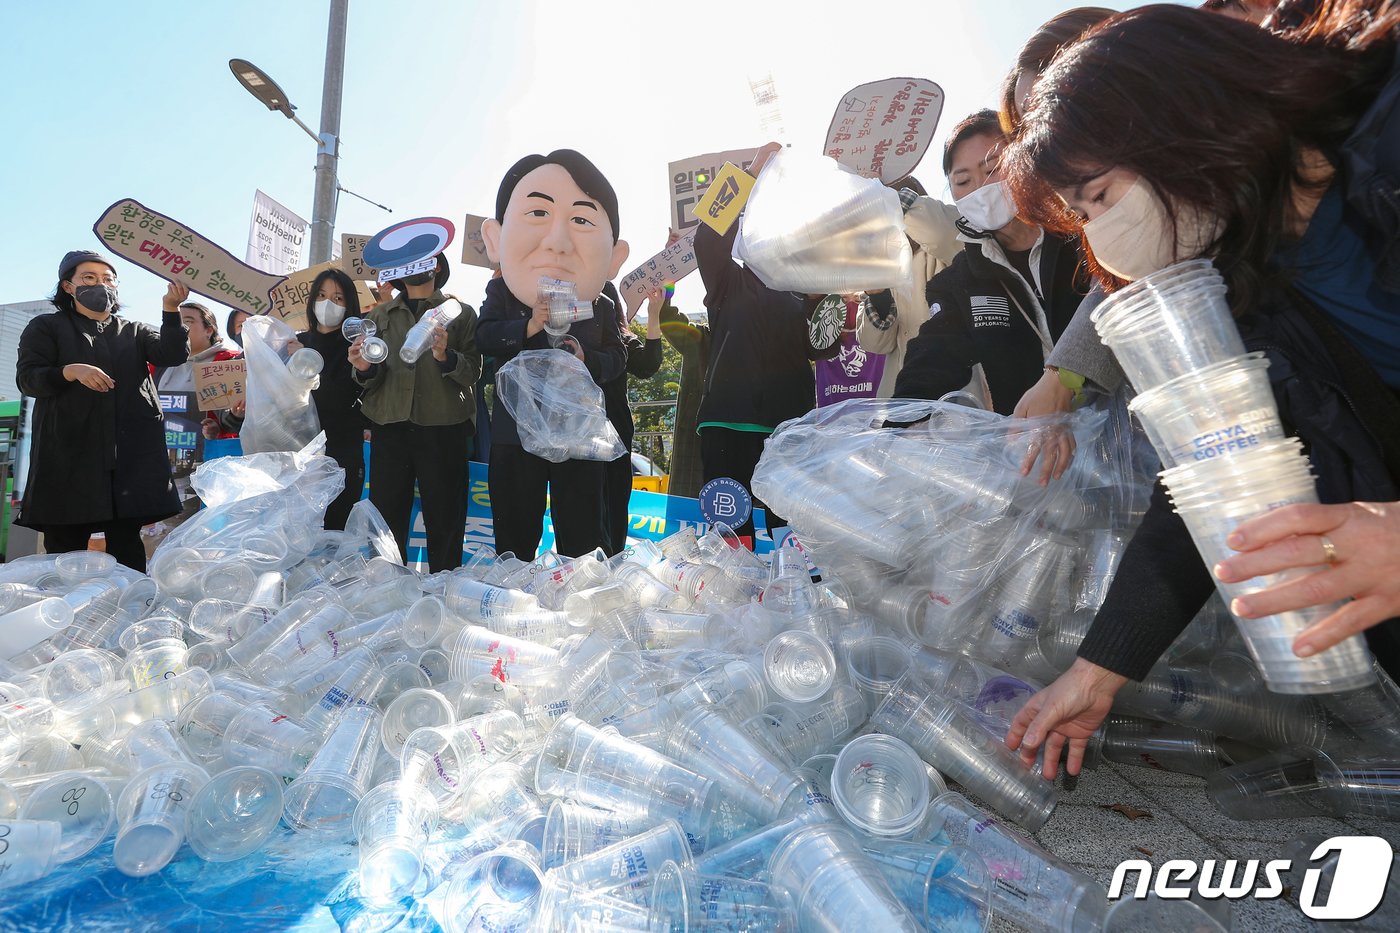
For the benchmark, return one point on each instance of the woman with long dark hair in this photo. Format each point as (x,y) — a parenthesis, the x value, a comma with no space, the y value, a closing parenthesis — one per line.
(331,300)
(1169,133)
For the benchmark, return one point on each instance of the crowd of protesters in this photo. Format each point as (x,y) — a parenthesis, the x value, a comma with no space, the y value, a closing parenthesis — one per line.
(1265,138)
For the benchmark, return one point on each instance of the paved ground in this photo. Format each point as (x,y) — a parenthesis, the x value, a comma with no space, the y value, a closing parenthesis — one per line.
(1184,824)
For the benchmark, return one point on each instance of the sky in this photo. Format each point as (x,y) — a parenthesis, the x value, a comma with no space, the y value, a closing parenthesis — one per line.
(109,101)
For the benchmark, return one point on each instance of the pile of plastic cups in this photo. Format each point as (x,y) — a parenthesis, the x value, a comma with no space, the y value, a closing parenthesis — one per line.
(1209,409)
(683,737)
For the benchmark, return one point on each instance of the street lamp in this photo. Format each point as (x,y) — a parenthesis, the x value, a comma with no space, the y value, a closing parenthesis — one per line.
(266,90)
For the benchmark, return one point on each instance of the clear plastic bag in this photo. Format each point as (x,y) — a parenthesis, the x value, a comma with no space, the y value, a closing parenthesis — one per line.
(280,413)
(811,226)
(558,408)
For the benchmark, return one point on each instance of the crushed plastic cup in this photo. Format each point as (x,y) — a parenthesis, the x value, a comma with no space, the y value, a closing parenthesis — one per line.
(392,824)
(833,882)
(80,801)
(30,851)
(322,800)
(233,815)
(151,816)
(626,868)
(496,890)
(685,900)
(799,666)
(881,786)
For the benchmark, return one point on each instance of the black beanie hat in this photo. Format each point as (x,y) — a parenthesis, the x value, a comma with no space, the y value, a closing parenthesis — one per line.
(76,258)
(584,173)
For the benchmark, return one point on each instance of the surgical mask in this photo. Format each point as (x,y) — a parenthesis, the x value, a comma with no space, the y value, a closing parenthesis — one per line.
(99,299)
(1133,238)
(422,278)
(329,313)
(989,208)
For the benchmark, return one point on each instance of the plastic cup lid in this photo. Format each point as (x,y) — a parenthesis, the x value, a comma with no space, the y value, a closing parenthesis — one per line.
(232,816)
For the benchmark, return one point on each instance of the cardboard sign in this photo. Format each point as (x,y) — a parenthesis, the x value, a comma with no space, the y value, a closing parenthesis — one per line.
(719,207)
(220,384)
(352,257)
(473,246)
(162,245)
(882,129)
(275,236)
(289,298)
(667,267)
(691,178)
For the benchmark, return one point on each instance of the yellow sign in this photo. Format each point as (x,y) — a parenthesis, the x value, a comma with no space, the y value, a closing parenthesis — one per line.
(726,196)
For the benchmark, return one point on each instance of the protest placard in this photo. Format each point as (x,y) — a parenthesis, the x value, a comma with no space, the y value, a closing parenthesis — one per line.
(275,236)
(352,257)
(289,298)
(688,179)
(882,129)
(173,251)
(719,206)
(220,383)
(667,267)
(473,246)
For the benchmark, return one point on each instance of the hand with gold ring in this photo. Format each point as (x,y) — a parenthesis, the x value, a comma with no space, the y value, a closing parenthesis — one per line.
(1355,550)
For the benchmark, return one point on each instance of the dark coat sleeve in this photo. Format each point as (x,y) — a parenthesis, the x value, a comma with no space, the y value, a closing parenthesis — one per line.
(609,360)
(500,332)
(940,358)
(1160,585)
(714,259)
(39,368)
(643,356)
(169,346)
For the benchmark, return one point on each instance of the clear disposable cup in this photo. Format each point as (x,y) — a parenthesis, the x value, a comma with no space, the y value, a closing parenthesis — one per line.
(496,890)
(71,678)
(501,803)
(426,623)
(875,665)
(417,708)
(392,824)
(353,327)
(322,800)
(748,773)
(76,566)
(685,900)
(963,750)
(803,730)
(736,685)
(946,887)
(572,830)
(631,863)
(1223,411)
(80,802)
(19,724)
(303,649)
(799,666)
(1290,782)
(233,815)
(151,816)
(44,754)
(356,682)
(833,882)
(574,908)
(477,650)
(1366,787)
(153,663)
(880,786)
(30,851)
(29,625)
(446,757)
(261,736)
(374,350)
(1161,345)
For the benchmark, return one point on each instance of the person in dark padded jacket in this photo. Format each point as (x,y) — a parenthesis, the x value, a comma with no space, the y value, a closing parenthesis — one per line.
(1005,298)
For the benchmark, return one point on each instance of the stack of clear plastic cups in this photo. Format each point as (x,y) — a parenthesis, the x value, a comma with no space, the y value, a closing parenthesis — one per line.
(476,650)
(1165,746)
(945,887)
(496,890)
(1301,782)
(445,758)
(392,824)
(626,868)
(1219,412)
(968,556)
(804,730)
(322,800)
(881,787)
(989,692)
(799,666)
(1031,887)
(234,815)
(746,854)
(1021,603)
(684,900)
(875,665)
(565,308)
(31,850)
(747,773)
(834,883)
(1168,324)
(660,629)
(419,339)
(962,749)
(572,830)
(23,628)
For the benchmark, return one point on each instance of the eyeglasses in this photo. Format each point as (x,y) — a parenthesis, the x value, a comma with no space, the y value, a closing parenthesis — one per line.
(92,278)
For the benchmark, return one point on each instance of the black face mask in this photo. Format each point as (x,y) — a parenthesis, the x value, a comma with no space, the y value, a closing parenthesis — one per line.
(422,278)
(99,299)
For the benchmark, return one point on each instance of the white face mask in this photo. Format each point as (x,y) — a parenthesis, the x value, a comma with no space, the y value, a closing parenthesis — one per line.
(1133,238)
(329,313)
(989,208)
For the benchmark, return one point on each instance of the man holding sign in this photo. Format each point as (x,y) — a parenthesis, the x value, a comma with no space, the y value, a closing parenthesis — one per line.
(98,459)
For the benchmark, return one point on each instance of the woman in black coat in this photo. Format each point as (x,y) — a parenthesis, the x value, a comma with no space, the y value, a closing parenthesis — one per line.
(98,459)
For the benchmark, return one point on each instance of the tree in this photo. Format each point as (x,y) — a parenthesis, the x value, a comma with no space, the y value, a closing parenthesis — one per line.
(661,387)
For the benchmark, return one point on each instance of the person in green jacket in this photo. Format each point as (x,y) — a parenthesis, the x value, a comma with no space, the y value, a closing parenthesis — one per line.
(422,417)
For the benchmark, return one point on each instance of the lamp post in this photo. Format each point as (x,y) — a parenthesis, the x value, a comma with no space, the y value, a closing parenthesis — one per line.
(260,85)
